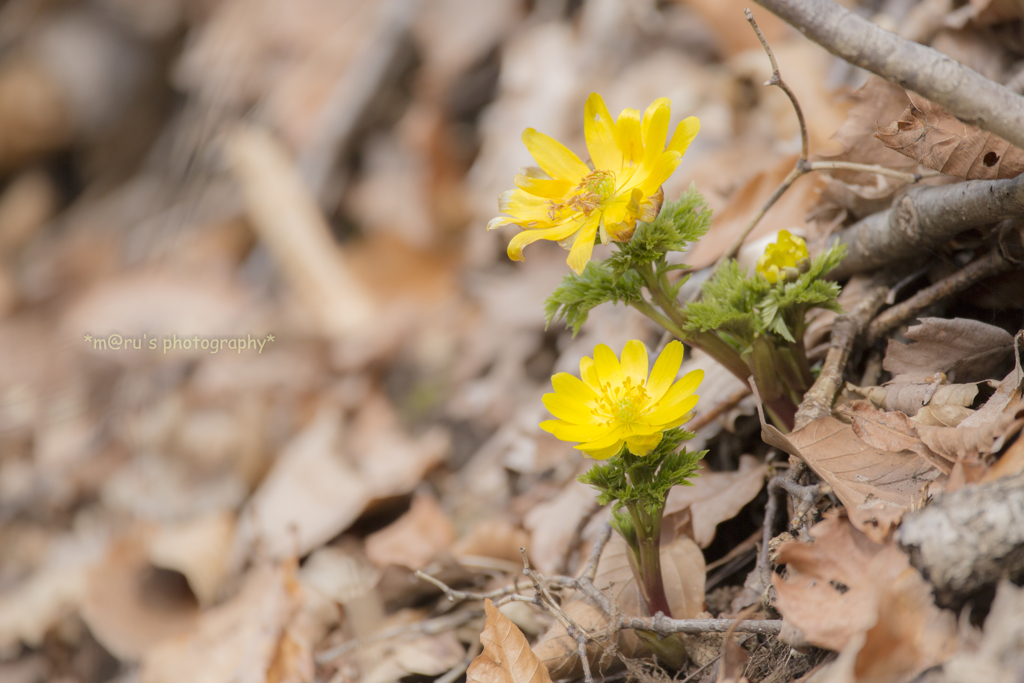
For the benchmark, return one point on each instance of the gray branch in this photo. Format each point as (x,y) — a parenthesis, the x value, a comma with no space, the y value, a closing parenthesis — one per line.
(927,218)
(963,92)
(968,540)
(664,626)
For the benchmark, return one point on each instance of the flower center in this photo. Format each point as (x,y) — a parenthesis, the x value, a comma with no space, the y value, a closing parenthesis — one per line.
(593,191)
(625,403)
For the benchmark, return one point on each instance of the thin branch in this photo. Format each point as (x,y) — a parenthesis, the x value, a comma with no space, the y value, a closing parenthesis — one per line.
(454,595)
(664,626)
(872,168)
(724,406)
(817,402)
(961,91)
(924,219)
(443,623)
(991,264)
(799,169)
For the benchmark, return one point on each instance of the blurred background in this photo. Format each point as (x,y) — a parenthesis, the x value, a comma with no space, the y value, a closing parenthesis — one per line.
(313,178)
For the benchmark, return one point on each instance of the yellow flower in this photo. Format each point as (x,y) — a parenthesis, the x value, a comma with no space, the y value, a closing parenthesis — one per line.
(788,252)
(570,202)
(617,404)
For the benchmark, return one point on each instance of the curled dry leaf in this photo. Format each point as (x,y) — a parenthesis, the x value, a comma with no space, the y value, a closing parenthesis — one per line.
(495,538)
(235,641)
(507,657)
(935,138)
(963,350)
(912,397)
(683,572)
(716,497)
(130,605)
(877,486)
(415,538)
(847,591)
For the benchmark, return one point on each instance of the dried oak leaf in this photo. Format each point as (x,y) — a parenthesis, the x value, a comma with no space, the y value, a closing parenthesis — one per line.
(964,350)
(877,486)
(507,657)
(716,497)
(891,431)
(846,591)
(911,398)
(935,138)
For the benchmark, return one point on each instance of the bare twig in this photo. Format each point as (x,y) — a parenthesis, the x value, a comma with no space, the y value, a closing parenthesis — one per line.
(799,169)
(664,626)
(817,402)
(806,498)
(443,623)
(724,406)
(925,218)
(872,168)
(454,595)
(991,264)
(961,91)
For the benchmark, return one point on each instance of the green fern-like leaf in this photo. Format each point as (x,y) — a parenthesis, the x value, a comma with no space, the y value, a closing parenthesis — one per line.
(579,294)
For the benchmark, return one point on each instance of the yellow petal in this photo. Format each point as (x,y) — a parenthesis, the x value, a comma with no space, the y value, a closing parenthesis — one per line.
(642,445)
(655,130)
(628,137)
(548,188)
(567,431)
(665,370)
(661,169)
(599,130)
(671,414)
(607,365)
(614,435)
(583,247)
(588,373)
(650,207)
(573,388)
(557,232)
(499,222)
(556,159)
(525,206)
(602,453)
(634,362)
(686,131)
(571,411)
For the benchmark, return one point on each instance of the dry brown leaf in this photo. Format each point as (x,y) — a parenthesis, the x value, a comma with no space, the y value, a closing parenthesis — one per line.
(845,586)
(130,606)
(716,497)
(964,350)
(913,397)
(198,549)
(969,444)
(891,431)
(942,416)
(414,654)
(1007,394)
(999,655)
(322,482)
(876,486)
(1011,462)
(497,538)
(235,641)
(415,538)
(930,135)
(552,524)
(507,657)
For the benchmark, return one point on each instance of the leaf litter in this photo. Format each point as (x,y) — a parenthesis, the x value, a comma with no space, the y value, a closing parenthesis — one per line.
(259,515)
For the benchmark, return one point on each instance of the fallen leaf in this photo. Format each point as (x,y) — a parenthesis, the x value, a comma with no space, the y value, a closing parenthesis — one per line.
(876,486)
(552,524)
(507,657)
(497,538)
(891,431)
(942,416)
(198,549)
(969,444)
(414,538)
(1007,394)
(131,606)
(930,135)
(235,641)
(844,588)
(716,497)
(998,655)
(964,350)
(1011,462)
(414,654)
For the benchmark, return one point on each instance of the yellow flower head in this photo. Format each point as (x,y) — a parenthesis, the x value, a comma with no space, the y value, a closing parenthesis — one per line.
(788,252)
(616,403)
(570,202)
